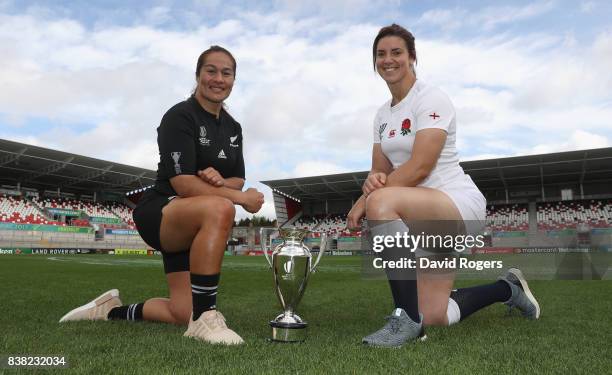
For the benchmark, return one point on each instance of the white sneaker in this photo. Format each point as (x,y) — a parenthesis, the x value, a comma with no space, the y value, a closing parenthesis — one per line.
(95,310)
(210,327)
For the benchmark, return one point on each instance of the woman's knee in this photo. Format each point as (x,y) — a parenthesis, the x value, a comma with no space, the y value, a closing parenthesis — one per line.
(216,209)
(378,205)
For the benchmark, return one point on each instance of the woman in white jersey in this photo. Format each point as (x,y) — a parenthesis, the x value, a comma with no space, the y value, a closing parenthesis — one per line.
(416,176)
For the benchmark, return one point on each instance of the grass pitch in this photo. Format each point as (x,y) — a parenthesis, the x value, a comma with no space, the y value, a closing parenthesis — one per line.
(572,336)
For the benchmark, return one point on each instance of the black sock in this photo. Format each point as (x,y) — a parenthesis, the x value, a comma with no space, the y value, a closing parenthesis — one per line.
(127,312)
(475,298)
(403,283)
(405,297)
(204,293)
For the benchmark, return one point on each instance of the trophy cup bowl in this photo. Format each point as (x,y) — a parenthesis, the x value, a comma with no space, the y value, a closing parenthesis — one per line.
(291,264)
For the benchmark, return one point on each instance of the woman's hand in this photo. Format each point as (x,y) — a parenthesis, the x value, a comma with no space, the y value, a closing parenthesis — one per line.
(374,181)
(252,200)
(211,176)
(355,214)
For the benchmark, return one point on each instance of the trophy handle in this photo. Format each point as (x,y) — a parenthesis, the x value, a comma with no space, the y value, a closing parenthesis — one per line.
(321,251)
(264,247)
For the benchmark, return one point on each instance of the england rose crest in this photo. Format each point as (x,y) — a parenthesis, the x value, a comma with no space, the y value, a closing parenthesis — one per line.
(406,126)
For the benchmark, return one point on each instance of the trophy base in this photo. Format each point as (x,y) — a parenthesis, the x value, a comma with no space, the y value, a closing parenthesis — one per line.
(288,332)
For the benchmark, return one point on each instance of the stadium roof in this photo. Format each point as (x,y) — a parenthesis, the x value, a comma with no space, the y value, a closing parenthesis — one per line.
(584,166)
(46,169)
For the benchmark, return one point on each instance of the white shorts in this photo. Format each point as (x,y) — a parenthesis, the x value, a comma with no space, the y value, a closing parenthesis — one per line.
(471,204)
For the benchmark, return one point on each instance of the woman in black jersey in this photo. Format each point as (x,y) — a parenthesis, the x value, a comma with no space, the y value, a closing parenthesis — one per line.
(189,213)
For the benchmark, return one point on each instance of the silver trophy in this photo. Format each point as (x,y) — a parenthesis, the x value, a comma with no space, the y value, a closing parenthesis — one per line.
(291,263)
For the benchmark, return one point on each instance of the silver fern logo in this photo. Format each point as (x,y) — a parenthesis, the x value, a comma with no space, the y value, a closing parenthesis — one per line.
(232,140)
(176,156)
(381,129)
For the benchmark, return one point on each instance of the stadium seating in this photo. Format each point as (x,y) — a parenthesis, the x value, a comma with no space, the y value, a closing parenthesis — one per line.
(510,217)
(334,225)
(93,209)
(21,211)
(308,222)
(18,210)
(501,217)
(123,212)
(567,214)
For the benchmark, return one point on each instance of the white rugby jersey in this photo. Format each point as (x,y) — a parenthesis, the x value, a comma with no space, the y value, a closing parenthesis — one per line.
(424,107)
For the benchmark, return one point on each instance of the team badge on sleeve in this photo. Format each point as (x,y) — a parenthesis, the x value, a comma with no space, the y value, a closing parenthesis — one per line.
(381,129)
(176,157)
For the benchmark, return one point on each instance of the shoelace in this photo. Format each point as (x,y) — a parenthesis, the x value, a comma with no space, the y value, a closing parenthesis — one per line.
(394,323)
(512,306)
(219,320)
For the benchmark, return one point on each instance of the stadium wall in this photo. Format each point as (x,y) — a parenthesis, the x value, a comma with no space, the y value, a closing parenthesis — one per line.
(84,238)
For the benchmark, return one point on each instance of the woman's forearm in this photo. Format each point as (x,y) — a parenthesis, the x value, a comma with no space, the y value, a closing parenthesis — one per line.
(235,183)
(192,186)
(408,174)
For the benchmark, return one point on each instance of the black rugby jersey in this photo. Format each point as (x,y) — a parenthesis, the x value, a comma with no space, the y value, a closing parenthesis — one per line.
(191,139)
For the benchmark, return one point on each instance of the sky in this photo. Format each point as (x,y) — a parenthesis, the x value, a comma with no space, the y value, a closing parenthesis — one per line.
(95,78)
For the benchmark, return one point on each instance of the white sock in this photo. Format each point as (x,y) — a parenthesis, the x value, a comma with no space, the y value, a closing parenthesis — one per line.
(452,312)
(389,228)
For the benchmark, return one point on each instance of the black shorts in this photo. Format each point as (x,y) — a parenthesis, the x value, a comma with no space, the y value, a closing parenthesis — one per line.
(147,217)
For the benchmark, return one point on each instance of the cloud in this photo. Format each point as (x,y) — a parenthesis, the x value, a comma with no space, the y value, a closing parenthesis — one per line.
(587,6)
(486,18)
(580,78)
(577,140)
(317,168)
(333,9)
(305,92)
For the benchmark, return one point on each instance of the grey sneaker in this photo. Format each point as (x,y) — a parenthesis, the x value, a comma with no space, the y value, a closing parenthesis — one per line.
(398,330)
(521,298)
